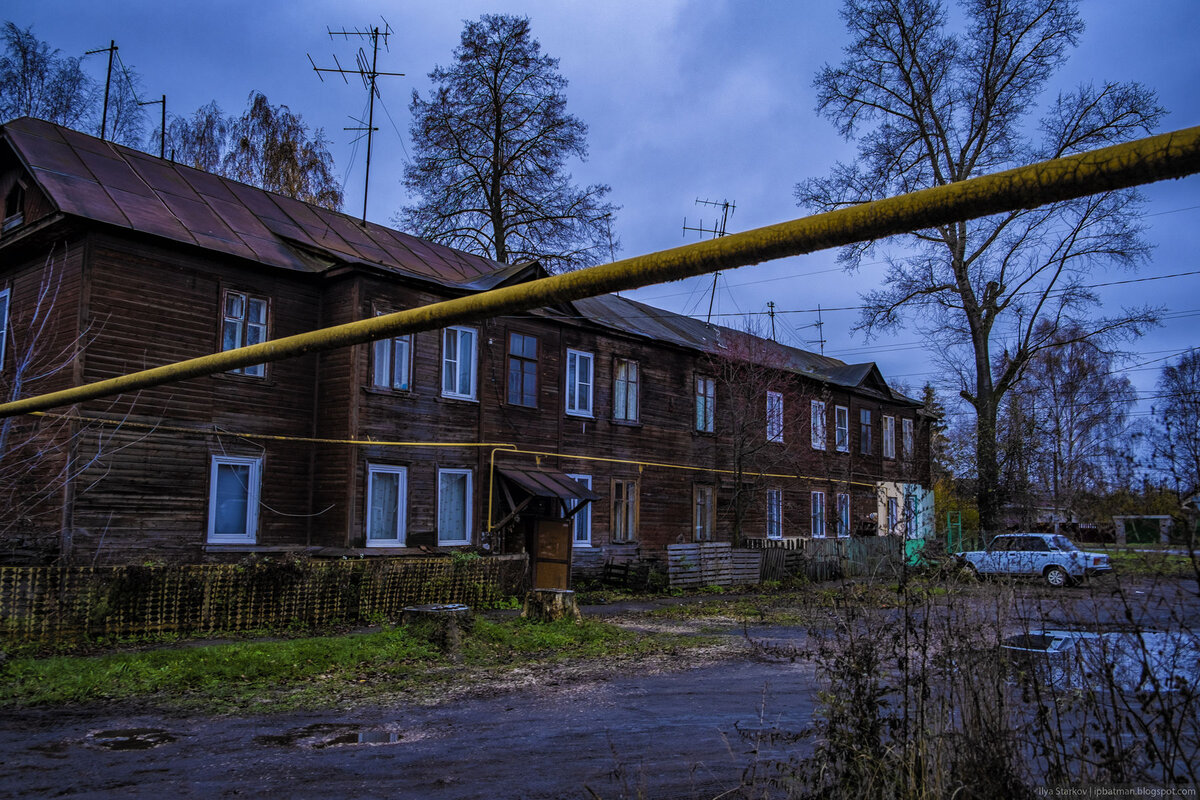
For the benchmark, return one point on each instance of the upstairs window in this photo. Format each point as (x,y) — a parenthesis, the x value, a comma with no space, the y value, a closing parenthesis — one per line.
(775,417)
(706,404)
(579,383)
(625,390)
(865,445)
(522,370)
(889,437)
(817,410)
(393,363)
(458,363)
(244,323)
(841,423)
(906,438)
(14,208)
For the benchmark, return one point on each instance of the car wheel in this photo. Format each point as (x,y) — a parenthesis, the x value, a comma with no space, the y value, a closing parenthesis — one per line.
(970,572)
(1057,577)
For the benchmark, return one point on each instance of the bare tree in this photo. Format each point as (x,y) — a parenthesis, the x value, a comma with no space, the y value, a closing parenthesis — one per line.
(930,106)
(40,456)
(36,81)
(760,401)
(1177,416)
(269,147)
(490,147)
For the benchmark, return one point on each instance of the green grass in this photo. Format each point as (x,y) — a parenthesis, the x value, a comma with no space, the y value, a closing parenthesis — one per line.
(1139,560)
(309,672)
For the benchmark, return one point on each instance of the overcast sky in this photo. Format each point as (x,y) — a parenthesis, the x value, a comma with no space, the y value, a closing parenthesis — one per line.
(684,101)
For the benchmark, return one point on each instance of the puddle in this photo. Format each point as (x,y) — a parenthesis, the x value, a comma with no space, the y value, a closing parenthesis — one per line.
(334,734)
(130,739)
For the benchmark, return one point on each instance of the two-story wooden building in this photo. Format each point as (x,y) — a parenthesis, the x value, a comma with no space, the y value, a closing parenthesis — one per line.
(651,427)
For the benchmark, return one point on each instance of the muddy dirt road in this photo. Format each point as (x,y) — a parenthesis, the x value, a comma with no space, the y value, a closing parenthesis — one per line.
(668,735)
(681,730)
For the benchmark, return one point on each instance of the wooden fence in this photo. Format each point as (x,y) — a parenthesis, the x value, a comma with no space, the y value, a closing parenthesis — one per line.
(52,603)
(825,559)
(712,564)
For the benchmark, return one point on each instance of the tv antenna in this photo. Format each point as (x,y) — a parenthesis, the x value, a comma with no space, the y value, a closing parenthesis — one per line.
(368,70)
(715,232)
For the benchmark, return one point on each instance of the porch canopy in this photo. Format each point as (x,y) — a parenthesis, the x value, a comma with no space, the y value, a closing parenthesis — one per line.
(552,484)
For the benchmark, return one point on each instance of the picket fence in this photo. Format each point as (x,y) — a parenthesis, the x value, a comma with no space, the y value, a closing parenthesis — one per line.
(56,603)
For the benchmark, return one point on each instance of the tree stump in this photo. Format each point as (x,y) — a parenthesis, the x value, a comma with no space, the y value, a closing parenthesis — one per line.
(442,623)
(551,605)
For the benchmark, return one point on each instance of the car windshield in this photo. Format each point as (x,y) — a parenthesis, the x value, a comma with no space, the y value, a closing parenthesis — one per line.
(1063,543)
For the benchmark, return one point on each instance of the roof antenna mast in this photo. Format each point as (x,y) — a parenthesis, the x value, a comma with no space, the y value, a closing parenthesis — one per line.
(368,70)
(716,232)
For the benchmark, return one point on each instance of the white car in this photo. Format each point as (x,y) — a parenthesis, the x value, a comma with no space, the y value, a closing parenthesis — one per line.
(1045,555)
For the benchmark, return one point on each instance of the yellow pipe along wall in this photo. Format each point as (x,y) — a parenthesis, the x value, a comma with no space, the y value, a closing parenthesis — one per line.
(1168,155)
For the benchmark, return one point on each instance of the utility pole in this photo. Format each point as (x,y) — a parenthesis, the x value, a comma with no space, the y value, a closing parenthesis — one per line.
(112,51)
(162,130)
(771,314)
(368,70)
(717,231)
(820,326)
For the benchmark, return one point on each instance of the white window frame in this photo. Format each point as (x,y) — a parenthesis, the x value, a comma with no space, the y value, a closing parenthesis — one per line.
(401,532)
(906,438)
(253,491)
(704,512)
(451,372)
(817,500)
(5,297)
(843,515)
(246,328)
(706,403)
(467,503)
(893,514)
(581,522)
(817,424)
(775,417)
(889,437)
(387,352)
(626,405)
(774,513)
(581,373)
(841,431)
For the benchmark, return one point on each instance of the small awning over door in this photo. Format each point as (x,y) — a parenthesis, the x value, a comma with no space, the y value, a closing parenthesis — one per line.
(547,483)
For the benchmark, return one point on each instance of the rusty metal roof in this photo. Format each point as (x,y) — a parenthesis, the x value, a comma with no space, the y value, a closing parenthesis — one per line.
(106,182)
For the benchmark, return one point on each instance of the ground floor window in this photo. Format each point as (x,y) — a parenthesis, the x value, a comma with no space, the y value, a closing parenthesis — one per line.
(843,511)
(818,513)
(703,513)
(387,501)
(454,506)
(581,523)
(233,499)
(624,510)
(893,514)
(774,513)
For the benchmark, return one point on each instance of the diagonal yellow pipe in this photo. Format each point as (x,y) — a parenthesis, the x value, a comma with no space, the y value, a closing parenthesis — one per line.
(1168,155)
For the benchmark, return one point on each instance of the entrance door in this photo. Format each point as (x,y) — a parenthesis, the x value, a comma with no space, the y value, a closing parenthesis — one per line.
(552,554)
